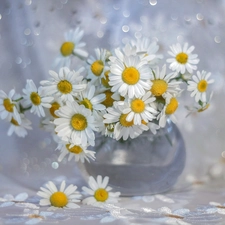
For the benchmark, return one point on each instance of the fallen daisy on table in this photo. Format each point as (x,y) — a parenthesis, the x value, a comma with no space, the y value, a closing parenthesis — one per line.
(99,191)
(62,198)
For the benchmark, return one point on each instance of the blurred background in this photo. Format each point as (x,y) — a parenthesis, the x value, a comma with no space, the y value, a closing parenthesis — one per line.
(31,33)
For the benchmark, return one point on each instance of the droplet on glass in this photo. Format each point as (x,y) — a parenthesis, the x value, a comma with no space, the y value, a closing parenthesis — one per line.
(18,60)
(217,39)
(27,31)
(63,1)
(103,20)
(28,2)
(55,165)
(180,38)
(153,2)
(174,17)
(199,16)
(125,28)
(126,13)
(0,16)
(100,34)
(138,34)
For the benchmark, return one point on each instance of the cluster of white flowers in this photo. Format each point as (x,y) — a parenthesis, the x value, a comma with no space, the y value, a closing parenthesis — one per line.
(98,194)
(119,93)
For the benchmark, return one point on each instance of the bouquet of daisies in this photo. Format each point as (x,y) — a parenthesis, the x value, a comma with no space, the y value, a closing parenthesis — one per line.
(118,93)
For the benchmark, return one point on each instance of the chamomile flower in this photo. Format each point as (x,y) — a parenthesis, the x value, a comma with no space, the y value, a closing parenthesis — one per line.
(163,85)
(153,127)
(79,152)
(129,75)
(90,99)
(122,128)
(59,198)
(97,65)
(19,129)
(199,85)
(99,191)
(201,107)
(36,98)
(72,46)
(183,59)
(168,111)
(75,123)
(146,48)
(65,85)
(8,109)
(139,109)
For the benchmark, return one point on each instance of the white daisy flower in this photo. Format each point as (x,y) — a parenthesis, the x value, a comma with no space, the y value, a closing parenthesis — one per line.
(183,59)
(146,48)
(90,99)
(75,123)
(97,64)
(122,128)
(19,129)
(64,85)
(164,85)
(100,192)
(153,127)
(139,109)
(71,46)
(8,109)
(201,107)
(199,85)
(62,198)
(168,111)
(36,98)
(129,75)
(79,152)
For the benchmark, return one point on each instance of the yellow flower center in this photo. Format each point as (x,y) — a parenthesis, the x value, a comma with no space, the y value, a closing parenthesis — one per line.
(105,80)
(182,58)
(58,199)
(110,127)
(159,87)
(202,85)
(97,67)
(172,106)
(108,102)
(79,122)
(204,108)
(67,48)
(64,86)
(75,149)
(55,106)
(143,122)
(130,75)
(86,102)
(101,195)
(137,105)
(8,105)
(124,122)
(35,98)
(14,122)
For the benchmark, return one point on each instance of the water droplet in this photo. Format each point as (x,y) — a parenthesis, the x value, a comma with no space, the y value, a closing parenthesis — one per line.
(0,16)
(125,28)
(138,34)
(27,31)
(217,39)
(174,17)
(100,34)
(103,20)
(153,2)
(116,7)
(63,1)
(126,13)
(28,2)
(180,38)
(199,16)
(18,60)
(55,165)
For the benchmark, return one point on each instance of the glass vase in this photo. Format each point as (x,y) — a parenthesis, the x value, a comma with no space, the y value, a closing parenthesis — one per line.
(148,164)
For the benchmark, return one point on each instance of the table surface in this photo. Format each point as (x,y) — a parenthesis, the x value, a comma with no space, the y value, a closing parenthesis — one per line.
(30,32)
